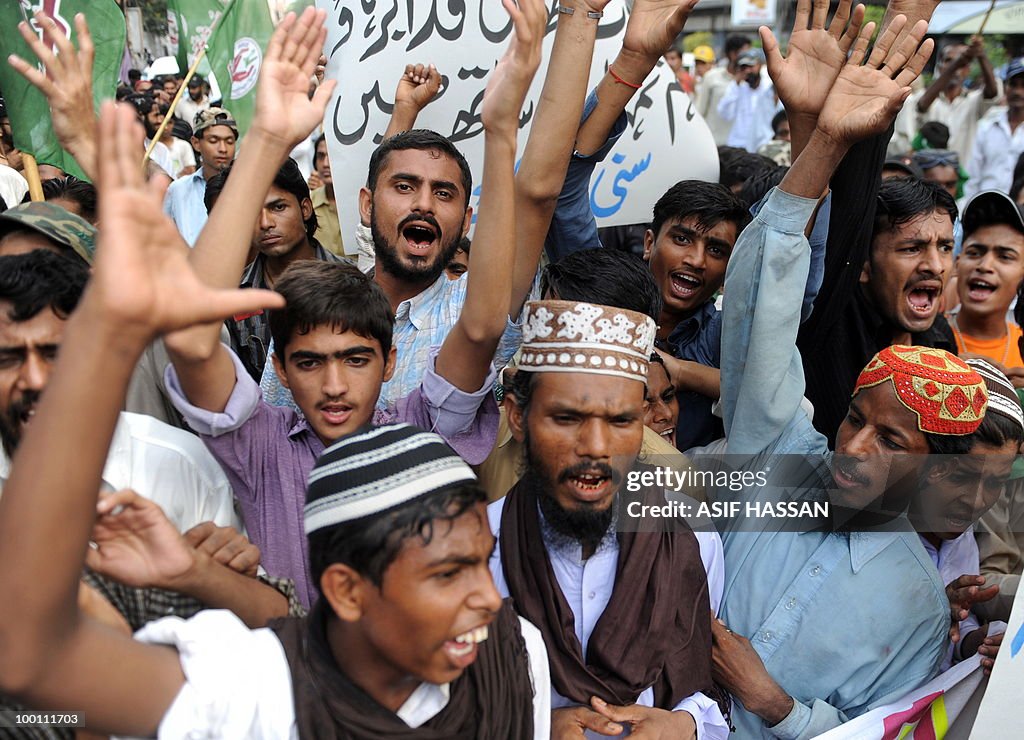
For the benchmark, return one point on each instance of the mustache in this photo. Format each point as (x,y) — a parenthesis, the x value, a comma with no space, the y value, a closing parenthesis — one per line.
(426,218)
(19,408)
(850,468)
(590,468)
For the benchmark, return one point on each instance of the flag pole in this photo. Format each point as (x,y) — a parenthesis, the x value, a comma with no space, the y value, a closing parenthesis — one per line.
(984,20)
(35,185)
(174,103)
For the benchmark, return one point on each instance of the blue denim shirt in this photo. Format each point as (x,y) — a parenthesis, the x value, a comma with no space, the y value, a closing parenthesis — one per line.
(844,621)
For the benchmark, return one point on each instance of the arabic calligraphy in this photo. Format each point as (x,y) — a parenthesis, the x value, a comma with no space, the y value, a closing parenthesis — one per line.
(620,188)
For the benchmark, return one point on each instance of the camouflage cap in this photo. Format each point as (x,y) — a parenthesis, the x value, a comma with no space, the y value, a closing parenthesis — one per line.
(213,117)
(53,222)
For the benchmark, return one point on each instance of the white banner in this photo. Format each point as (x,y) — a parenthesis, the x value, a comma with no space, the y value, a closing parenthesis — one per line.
(925,714)
(753,12)
(370,42)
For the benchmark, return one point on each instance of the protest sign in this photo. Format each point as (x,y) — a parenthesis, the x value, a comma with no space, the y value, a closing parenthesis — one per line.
(26,105)
(369,44)
(753,12)
(998,716)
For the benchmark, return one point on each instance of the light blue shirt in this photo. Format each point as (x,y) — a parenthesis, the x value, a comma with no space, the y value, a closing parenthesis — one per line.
(184,204)
(587,586)
(844,622)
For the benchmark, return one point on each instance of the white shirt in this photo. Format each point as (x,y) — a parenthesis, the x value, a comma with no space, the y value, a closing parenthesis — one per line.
(187,108)
(12,186)
(161,155)
(238,681)
(587,586)
(996,150)
(182,156)
(167,465)
(751,110)
(961,117)
(955,558)
(712,89)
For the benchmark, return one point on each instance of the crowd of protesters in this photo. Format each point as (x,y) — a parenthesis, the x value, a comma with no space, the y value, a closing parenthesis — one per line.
(263,479)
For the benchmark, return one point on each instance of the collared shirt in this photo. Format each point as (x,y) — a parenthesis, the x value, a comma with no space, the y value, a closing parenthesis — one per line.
(250,334)
(960,116)
(328,230)
(421,323)
(996,151)
(238,681)
(587,586)
(187,108)
(955,558)
(184,204)
(751,110)
(810,602)
(269,451)
(168,466)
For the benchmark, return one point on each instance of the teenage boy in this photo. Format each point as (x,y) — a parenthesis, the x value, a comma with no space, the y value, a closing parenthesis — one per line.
(398,645)
(335,341)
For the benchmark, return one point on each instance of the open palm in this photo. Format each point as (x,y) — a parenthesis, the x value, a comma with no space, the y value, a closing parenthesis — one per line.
(653,25)
(865,99)
(143,283)
(815,57)
(284,109)
(510,80)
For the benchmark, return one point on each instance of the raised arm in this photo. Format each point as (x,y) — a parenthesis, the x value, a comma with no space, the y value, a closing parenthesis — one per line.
(142,286)
(417,87)
(546,156)
(284,116)
(465,356)
(759,332)
(67,84)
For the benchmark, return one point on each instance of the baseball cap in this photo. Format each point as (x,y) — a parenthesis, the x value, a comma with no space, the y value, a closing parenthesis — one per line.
(213,117)
(196,81)
(704,54)
(992,207)
(53,222)
(905,164)
(1014,68)
(750,57)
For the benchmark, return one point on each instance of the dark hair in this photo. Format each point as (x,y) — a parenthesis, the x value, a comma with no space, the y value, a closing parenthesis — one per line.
(736,166)
(606,277)
(41,279)
(134,75)
(331,293)
(949,444)
(736,42)
(181,130)
(71,188)
(123,92)
(777,121)
(423,140)
(755,188)
(288,178)
(936,134)
(709,202)
(902,199)
(1016,188)
(464,245)
(371,544)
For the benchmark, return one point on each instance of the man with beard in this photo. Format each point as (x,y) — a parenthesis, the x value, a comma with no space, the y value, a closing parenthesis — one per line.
(796,646)
(622,612)
(197,100)
(149,110)
(335,342)
(214,135)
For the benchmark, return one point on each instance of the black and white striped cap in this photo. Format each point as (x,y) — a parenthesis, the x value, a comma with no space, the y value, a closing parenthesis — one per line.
(376,469)
(1002,397)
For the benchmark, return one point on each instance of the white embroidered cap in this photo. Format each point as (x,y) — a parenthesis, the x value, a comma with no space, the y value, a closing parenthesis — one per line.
(573,337)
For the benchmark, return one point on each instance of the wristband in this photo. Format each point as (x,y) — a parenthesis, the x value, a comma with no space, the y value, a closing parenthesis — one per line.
(592,14)
(620,80)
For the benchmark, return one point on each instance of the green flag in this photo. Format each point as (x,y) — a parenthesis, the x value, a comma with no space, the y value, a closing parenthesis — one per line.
(189,23)
(27,107)
(235,51)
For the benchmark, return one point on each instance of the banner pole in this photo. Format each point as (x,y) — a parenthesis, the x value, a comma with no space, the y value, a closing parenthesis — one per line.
(35,185)
(174,103)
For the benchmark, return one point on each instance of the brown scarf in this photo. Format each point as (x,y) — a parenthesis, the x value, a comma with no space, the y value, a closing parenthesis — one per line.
(655,631)
(491,700)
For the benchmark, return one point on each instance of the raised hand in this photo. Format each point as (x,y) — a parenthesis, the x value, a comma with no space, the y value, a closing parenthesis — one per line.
(511,78)
(418,86)
(135,543)
(804,77)
(284,111)
(143,284)
(865,99)
(66,83)
(653,25)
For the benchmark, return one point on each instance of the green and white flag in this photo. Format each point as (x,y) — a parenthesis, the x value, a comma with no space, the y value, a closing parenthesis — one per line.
(235,51)
(27,107)
(189,23)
